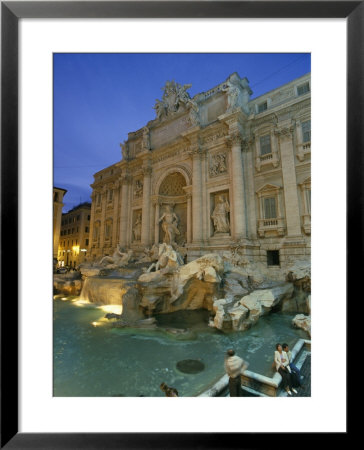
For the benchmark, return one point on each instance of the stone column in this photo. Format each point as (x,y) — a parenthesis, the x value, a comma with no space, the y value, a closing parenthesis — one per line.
(289,182)
(189,221)
(196,195)
(238,201)
(115,212)
(103,217)
(145,237)
(156,223)
(125,180)
(248,152)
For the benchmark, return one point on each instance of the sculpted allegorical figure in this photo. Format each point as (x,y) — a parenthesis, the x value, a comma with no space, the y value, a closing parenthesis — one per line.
(168,259)
(220,215)
(146,139)
(118,259)
(233,94)
(169,226)
(137,230)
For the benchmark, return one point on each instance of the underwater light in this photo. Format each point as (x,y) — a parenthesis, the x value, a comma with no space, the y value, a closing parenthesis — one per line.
(116,309)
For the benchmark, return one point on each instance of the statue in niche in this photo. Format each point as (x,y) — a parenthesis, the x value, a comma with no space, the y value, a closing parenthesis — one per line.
(138,191)
(170,226)
(220,215)
(232,91)
(146,139)
(137,230)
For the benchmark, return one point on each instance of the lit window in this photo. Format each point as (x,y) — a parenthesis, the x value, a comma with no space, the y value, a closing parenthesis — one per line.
(265,147)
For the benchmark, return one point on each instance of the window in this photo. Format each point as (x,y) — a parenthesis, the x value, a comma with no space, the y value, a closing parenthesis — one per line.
(270,208)
(262,107)
(110,195)
(303,89)
(273,257)
(86,242)
(73,230)
(265,147)
(108,229)
(86,229)
(98,199)
(308,200)
(88,217)
(78,218)
(55,197)
(306,131)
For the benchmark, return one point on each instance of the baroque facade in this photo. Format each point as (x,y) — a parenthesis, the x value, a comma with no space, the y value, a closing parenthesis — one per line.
(218,172)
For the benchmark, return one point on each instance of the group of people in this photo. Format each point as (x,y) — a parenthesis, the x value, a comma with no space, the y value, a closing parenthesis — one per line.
(283,361)
(235,367)
(291,376)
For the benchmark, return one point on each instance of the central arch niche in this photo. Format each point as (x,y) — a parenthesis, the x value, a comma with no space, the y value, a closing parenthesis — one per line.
(171,192)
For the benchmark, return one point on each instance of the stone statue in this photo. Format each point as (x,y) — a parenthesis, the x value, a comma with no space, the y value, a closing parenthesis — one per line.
(168,259)
(149,254)
(137,229)
(160,109)
(118,259)
(146,139)
(169,226)
(193,116)
(175,98)
(220,215)
(233,95)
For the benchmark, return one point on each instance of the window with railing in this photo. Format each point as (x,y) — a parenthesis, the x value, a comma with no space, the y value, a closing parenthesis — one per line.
(270,211)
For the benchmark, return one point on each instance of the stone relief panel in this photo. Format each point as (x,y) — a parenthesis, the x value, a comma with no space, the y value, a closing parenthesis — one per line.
(218,164)
(138,189)
(220,214)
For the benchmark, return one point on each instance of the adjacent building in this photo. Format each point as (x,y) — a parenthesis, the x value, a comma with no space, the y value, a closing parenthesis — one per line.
(218,172)
(58,194)
(74,236)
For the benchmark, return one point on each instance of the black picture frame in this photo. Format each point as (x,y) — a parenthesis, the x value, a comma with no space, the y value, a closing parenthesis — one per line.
(11,12)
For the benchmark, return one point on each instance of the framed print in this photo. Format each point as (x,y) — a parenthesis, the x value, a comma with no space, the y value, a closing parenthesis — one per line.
(40,40)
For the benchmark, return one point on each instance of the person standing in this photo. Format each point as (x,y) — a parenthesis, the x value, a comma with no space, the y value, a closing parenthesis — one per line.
(234,367)
(282,366)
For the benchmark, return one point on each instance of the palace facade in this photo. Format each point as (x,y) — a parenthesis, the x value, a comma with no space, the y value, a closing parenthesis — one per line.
(218,172)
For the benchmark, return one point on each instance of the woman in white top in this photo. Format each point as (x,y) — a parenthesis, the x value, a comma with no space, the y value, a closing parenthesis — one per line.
(282,366)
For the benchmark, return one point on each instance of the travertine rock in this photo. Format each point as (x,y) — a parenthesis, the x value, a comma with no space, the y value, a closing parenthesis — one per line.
(302,321)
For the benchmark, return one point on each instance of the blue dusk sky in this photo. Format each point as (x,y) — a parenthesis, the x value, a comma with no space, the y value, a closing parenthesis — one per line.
(100,98)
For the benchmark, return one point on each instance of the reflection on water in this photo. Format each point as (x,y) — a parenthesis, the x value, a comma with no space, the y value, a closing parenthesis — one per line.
(99,361)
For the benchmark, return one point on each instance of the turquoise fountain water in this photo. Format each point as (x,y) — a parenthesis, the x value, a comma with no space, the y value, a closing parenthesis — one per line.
(93,359)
